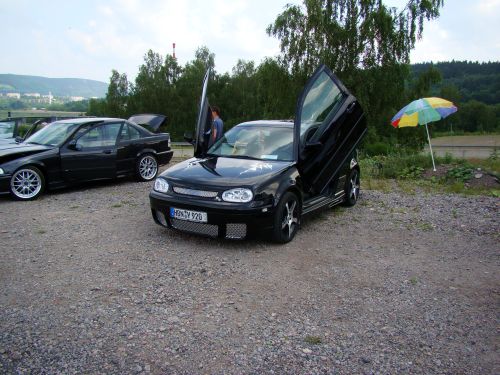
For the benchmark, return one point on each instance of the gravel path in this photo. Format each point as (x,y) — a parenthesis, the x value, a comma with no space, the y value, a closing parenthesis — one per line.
(397,284)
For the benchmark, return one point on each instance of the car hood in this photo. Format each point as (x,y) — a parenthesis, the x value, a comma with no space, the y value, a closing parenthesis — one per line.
(224,171)
(4,141)
(11,151)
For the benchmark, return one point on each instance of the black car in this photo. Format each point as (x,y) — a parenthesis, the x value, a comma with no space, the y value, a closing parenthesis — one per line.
(265,175)
(83,149)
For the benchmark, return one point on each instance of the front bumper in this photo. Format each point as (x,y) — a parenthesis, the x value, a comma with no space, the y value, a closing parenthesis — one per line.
(224,220)
(5,184)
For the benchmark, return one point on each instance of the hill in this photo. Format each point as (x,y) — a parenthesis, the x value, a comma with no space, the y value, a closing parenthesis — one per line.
(57,86)
(474,80)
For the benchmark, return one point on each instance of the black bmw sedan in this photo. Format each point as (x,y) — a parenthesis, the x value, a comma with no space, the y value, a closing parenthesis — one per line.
(264,176)
(75,150)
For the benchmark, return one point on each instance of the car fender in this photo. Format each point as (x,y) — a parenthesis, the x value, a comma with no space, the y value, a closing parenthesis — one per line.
(290,182)
(146,151)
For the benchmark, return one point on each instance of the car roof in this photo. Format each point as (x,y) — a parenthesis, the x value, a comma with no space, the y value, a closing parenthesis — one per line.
(88,119)
(282,123)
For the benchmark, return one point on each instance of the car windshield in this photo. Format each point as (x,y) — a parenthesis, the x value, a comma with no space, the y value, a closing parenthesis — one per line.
(264,142)
(7,129)
(53,134)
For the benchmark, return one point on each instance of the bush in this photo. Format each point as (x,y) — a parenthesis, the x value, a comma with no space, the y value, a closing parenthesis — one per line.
(461,173)
(377,148)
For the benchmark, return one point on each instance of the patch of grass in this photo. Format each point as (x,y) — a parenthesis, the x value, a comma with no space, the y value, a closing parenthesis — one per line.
(74,207)
(41,231)
(407,187)
(454,213)
(116,205)
(425,226)
(313,340)
(379,184)
(413,280)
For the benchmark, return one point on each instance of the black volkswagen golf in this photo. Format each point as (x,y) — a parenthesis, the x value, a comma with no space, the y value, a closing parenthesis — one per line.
(264,176)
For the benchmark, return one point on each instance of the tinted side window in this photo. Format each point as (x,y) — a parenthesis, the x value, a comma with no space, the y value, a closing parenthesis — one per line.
(93,138)
(111,133)
(134,133)
(129,132)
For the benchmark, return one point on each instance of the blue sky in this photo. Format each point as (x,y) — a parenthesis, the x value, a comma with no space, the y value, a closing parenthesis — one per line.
(86,39)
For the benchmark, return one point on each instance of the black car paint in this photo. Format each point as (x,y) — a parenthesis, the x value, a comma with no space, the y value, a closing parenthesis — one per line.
(63,166)
(318,174)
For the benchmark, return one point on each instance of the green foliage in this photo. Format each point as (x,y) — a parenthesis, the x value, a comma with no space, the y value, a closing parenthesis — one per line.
(376,148)
(403,164)
(412,172)
(461,173)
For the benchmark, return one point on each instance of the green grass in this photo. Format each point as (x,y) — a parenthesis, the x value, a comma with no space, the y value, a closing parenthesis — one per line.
(313,340)
(404,172)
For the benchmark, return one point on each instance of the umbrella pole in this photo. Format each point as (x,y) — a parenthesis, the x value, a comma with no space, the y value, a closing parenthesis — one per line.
(430,146)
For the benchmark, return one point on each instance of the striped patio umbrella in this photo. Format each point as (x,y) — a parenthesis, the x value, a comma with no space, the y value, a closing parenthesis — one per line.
(421,112)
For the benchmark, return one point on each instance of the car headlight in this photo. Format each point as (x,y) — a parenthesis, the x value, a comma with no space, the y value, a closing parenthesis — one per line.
(1,171)
(238,195)
(161,185)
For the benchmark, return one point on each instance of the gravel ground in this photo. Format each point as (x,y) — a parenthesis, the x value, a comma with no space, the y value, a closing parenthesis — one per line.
(397,284)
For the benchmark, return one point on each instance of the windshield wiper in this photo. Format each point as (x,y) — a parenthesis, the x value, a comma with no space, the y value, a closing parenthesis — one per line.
(35,143)
(242,157)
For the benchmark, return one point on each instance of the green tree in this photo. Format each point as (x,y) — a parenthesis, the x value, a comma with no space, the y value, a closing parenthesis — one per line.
(117,95)
(366,43)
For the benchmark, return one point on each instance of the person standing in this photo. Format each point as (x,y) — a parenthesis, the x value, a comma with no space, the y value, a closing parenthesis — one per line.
(217,129)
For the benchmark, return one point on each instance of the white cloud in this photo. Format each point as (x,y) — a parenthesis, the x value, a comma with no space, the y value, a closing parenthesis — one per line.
(488,6)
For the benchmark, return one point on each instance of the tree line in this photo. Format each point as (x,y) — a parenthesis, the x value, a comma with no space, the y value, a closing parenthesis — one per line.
(365,43)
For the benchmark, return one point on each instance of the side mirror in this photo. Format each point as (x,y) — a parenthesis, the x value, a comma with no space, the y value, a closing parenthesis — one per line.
(74,146)
(18,139)
(188,137)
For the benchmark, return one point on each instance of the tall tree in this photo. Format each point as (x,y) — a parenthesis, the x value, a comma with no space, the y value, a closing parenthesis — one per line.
(365,42)
(117,95)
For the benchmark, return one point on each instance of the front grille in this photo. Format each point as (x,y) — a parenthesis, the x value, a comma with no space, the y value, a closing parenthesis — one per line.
(199,228)
(195,193)
(236,231)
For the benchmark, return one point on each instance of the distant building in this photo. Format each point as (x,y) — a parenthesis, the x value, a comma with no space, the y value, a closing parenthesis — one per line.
(32,94)
(14,95)
(76,98)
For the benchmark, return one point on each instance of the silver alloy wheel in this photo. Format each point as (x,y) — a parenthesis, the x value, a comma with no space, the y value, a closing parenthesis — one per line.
(26,183)
(354,187)
(148,167)
(290,218)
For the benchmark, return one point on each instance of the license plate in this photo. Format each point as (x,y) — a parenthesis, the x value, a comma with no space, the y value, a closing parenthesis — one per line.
(196,216)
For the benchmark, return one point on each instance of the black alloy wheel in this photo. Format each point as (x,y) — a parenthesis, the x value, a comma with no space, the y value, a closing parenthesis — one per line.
(286,218)
(147,167)
(352,188)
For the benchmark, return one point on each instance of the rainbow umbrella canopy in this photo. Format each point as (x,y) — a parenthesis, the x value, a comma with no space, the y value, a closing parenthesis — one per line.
(421,112)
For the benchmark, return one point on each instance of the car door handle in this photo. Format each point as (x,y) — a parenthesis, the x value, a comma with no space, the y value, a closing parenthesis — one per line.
(107,152)
(350,107)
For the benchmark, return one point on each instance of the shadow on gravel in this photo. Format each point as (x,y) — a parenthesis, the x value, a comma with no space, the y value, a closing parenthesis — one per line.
(80,187)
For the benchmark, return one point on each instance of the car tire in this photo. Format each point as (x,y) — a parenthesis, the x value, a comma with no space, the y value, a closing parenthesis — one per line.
(286,218)
(352,187)
(147,167)
(27,183)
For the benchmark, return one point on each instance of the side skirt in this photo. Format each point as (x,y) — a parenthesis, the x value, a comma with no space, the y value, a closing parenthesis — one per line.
(322,201)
